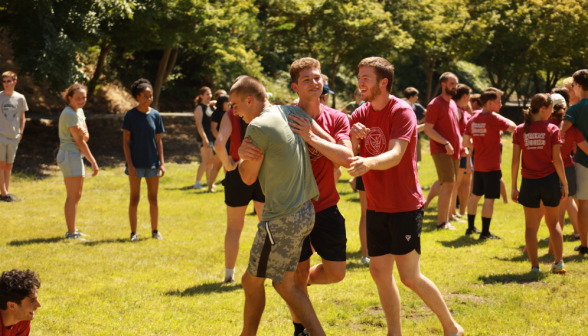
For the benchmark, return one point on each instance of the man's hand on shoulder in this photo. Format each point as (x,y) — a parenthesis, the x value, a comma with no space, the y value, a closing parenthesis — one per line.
(301,126)
(248,151)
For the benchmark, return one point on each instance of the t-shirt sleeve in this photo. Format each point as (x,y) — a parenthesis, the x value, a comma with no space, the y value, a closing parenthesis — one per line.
(432,114)
(258,138)
(463,122)
(419,110)
(502,124)
(357,117)
(571,114)
(342,128)
(71,119)
(126,122)
(578,136)
(159,125)
(515,136)
(468,128)
(297,111)
(555,136)
(25,107)
(403,125)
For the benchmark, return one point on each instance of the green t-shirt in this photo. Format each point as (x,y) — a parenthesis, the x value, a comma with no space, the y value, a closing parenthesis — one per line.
(578,116)
(285,176)
(67,119)
(351,107)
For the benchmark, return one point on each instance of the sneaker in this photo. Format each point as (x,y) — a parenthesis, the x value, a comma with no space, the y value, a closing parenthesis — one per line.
(582,250)
(10,198)
(198,186)
(75,236)
(81,234)
(134,236)
(365,260)
(304,333)
(470,231)
(574,237)
(488,236)
(558,268)
(535,270)
(156,235)
(446,226)
(455,218)
(229,280)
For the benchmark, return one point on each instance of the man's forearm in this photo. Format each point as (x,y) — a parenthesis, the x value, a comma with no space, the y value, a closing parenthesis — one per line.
(248,172)
(435,136)
(338,154)
(386,160)
(316,129)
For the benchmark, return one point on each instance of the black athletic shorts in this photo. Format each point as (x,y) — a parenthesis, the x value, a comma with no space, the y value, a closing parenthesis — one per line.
(237,193)
(394,233)
(328,236)
(359,183)
(546,189)
(487,184)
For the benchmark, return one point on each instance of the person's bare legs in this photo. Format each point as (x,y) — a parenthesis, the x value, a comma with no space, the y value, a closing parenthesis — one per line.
(152,189)
(301,280)
(445,195)
(214,170)
(235,223)
(254,303)
(555,235)
(473,204)
(503,192)
(298,301)
(327,273)
(3,184)
(135,184)
(464,192)
(411,276)
(362,224)
(381,271)
(573,214)
(583,221)
(532,222)
(488,207)
(74,186)
(433,192)
(453,206)
(204,167)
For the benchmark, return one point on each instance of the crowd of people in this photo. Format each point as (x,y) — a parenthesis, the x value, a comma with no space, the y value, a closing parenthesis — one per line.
(288,159)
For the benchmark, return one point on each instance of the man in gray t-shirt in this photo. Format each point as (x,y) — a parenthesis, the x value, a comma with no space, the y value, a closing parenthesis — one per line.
(12,121)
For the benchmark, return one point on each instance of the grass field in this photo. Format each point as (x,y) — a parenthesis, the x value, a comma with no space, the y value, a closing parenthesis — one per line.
(110,286)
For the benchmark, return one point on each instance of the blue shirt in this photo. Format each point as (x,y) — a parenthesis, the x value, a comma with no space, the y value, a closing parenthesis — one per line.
(578,115)
(143,128)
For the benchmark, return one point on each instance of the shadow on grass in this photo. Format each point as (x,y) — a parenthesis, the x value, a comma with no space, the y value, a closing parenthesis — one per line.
(35,241)
(110,241)
(462,241)
(204,289)
(356,265)
(510,278)
(546,258)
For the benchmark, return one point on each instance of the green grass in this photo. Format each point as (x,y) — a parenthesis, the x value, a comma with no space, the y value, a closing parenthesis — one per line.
(110,286)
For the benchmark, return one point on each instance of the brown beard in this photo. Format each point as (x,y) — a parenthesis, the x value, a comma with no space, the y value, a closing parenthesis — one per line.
(452,92)
(373,91)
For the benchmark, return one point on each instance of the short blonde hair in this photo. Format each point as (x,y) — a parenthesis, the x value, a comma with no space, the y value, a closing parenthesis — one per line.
(325,79)
(249,86)
(301,64)
(9,74)
(568,81)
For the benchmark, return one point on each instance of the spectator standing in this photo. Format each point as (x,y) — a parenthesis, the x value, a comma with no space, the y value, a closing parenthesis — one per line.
(352,106)
(223,104)
(203,117)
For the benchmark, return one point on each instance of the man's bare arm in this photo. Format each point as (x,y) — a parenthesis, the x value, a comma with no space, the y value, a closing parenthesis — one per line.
(386,160)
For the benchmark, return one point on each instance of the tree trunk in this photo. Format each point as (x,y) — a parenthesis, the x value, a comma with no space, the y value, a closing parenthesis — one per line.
(105,48)
(159,79)
(430,68)
(333,75)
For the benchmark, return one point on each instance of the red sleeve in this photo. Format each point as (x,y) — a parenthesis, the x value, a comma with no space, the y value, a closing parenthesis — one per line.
(432,113)
(358,116)
(502,124)
(555,137)
(403,125)
(463,122)
(515,136)
(468,129)
(23,329)
(578,136)
(342,128)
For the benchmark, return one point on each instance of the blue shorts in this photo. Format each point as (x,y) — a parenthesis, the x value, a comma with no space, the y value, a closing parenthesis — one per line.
(463,163)
(145,172)
(71,164)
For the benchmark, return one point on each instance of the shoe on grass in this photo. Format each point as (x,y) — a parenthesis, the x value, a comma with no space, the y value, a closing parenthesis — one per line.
(81,234)
(365,260)
(488,236)
(134,237)
(455,218)
(574,237)
(558,268)
(446,226)
(535,270)
(156,235)
(229,280)
(75,236)
(582,250)
(9,198)
(198,186)
(471,231)
(304,333)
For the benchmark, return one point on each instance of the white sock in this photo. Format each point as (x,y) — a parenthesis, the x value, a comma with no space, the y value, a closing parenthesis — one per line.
(197,182)
(229,272)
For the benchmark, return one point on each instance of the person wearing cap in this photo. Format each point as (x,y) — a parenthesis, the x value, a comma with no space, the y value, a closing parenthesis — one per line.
(325,95)
(483,133)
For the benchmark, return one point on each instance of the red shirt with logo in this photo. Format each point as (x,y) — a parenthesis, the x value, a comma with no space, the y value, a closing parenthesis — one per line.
(573,136)
(536,146)
(336,124)
(22,328)
(396,189)
(485,129)
(445,118)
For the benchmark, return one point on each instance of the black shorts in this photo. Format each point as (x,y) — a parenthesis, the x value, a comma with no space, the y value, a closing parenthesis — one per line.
(359,183)
(394,233)
(237,193)
(487,184)
(546,189)
(328,236)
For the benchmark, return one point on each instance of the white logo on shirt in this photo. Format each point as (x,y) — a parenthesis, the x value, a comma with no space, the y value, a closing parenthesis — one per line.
(407,237)
(534,140)
(478,129)
(375,142)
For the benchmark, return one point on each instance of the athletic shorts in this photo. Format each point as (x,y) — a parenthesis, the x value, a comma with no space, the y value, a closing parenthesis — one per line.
(8,151)
(463,163)
(487,184)
(581,182)
(447,167)
(571,177)
(394,233)
(237,193)
(359,183)
(546,189)
(144,172)
(328,237)
(277,244)
(71,164)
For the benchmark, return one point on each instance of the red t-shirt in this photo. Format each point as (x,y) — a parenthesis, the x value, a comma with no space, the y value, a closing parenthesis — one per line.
(536,146)
(396,189)
(336,124)
(22,328)
(463,122)
(485,130)
(237,134)
(445,118)
(573,135)
(474,112)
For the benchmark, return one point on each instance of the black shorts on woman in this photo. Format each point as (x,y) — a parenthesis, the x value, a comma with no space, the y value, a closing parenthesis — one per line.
(546,189)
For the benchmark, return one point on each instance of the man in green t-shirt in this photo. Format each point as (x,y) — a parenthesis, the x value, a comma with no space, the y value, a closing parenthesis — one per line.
(577,115)
(349,108)
(279,157)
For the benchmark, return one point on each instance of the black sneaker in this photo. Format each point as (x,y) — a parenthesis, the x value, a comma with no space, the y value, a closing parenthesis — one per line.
(488,236)
(470,231)
(574,237)
(583,250)
(10,198)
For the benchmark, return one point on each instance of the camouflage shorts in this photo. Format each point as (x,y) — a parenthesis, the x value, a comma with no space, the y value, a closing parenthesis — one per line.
(278,243)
